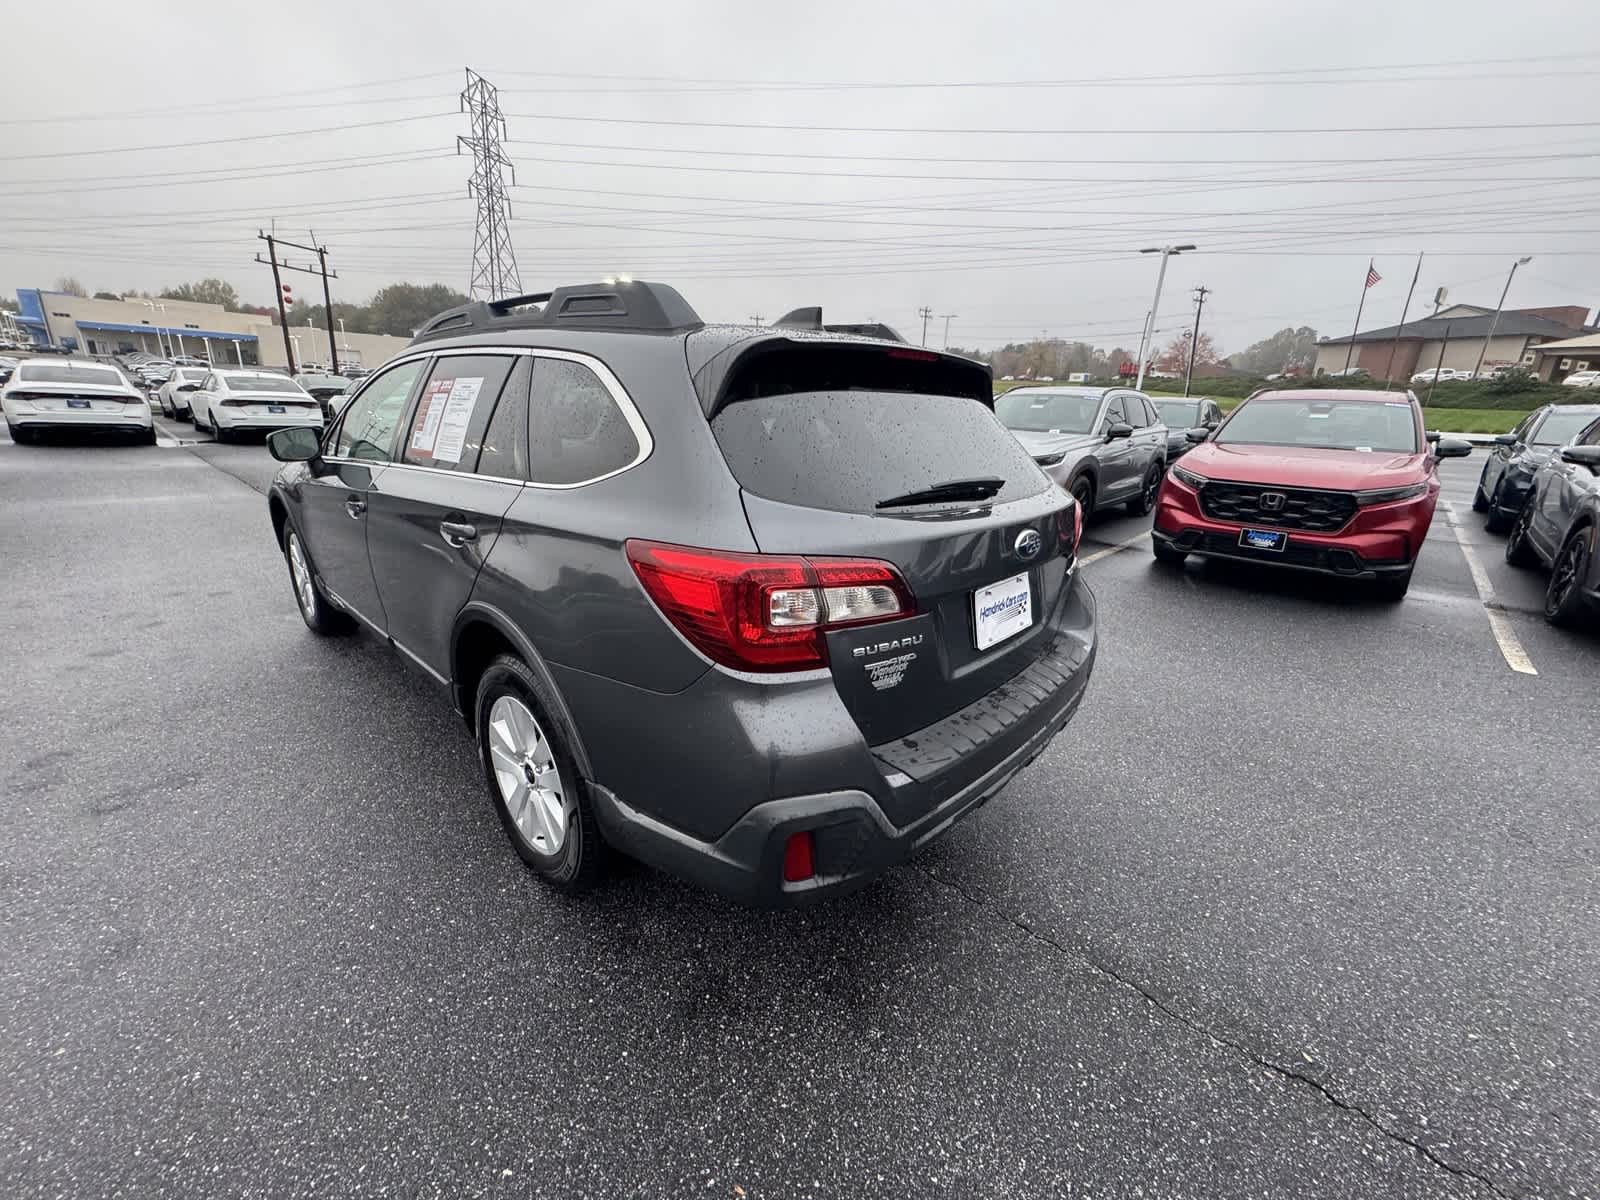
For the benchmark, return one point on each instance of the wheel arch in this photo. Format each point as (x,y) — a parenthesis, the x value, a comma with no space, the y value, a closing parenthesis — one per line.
(279,511)
(481,633)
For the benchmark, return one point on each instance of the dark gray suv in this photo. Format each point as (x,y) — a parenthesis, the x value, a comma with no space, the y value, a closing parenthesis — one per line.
(766,607)
(1104,445)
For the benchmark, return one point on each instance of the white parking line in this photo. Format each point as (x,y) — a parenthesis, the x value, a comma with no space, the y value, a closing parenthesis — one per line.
(1110,550)
(1499,624)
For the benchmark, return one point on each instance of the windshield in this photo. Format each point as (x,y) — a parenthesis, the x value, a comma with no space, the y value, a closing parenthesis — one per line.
(1178,414)
(52,373)
(1037,411)
(1365,425)
(261,383)
(1559,428)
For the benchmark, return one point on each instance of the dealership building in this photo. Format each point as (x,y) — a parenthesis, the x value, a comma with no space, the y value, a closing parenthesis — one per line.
(1454,338)
(168,327)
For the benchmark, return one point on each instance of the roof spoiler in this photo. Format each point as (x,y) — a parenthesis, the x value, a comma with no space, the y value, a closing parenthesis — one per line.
(811,318)
(623,306)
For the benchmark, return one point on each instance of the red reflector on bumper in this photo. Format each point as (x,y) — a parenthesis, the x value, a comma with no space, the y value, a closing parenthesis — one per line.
(797,858)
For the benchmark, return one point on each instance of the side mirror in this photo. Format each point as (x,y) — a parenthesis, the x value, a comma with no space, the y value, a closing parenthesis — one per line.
(1212,424)
(295,445)
(188,387)
(1505,439)
(1199,434)
(1583,456)
(1120,429)
(1449,447)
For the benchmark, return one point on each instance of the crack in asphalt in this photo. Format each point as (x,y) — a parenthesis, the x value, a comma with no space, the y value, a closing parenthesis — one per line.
(1327,1093)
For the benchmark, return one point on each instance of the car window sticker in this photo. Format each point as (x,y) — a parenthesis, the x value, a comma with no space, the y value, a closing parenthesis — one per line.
(457,415)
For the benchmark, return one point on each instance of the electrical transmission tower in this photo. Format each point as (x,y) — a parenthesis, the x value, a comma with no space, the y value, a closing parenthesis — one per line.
(494,263)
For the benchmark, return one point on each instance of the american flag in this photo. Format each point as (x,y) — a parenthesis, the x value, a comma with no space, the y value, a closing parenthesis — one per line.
(1372,275)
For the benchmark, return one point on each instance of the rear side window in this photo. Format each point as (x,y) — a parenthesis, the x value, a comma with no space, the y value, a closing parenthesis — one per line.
(576,430)
(453,411)
(505,442)
(846,450)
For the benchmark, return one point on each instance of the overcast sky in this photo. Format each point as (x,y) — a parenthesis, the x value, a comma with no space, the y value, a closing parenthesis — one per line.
(683,170)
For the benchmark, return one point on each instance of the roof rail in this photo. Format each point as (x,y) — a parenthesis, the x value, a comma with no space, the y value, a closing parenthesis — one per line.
(622,306)
(811,318)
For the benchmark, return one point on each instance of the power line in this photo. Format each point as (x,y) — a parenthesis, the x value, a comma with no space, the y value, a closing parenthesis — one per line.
(226,141)
(225,110)
(769,127)
(1292,74)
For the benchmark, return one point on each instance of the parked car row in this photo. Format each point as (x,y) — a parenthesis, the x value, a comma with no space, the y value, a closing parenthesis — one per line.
(1546,474)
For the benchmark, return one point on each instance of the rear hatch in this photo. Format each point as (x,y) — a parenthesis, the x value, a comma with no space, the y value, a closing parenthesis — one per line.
(836,447)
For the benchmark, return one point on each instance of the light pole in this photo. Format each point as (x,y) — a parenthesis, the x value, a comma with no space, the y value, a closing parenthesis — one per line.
(1495,323)
(1166,252)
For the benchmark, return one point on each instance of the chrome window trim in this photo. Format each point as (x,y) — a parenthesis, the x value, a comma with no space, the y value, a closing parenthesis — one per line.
(613,385)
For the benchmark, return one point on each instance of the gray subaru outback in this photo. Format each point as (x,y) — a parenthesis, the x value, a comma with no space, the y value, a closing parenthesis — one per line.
(769,608)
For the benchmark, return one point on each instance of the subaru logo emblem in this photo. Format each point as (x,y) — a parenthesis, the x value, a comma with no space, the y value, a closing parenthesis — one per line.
(1028,543)
(1272,501)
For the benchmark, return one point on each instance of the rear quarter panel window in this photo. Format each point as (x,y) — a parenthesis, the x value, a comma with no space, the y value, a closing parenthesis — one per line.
(576,430)
(846,450)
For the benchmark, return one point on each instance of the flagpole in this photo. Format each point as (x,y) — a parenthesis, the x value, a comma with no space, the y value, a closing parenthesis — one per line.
(1366,283)
(1394,346)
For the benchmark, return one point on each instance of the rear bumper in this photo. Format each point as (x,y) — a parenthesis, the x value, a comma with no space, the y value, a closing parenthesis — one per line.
(134,422)
(941,773)
(232,419)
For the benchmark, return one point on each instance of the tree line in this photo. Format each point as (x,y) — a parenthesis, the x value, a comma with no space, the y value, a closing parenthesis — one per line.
(1289,348)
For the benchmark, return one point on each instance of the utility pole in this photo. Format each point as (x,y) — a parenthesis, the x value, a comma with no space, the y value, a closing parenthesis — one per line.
(924,312)
(1434,382)
(948,317)
(494,263)
(277,288)
(755,319)
(1166,252)
(1200,294)
(1495,323)
(321,268)
(327,304)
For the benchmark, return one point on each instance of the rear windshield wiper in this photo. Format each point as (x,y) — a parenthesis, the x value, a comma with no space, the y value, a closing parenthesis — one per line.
(954,489)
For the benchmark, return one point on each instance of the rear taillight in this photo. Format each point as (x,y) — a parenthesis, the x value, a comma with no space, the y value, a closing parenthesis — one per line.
(1069,530)
(766,612)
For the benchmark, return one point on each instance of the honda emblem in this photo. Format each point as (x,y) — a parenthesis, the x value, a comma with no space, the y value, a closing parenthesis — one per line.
(1272,501)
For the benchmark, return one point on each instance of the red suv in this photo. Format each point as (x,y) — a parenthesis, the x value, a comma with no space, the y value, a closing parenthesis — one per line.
(1338,481)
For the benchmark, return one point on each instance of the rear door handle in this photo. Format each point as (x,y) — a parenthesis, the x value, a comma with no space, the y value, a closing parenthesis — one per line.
(458,533)
(355,506)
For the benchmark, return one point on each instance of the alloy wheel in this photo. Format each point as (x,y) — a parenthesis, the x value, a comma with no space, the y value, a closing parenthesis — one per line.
(526,773)
(300,572)
(1564,576)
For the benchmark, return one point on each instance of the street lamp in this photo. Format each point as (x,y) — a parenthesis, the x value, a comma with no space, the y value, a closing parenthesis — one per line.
(1495,323)
(1166,252)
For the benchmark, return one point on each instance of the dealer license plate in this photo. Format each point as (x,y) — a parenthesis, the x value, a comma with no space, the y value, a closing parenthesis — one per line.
(272,408)
(1002,610)
(77,404)
(1263,539)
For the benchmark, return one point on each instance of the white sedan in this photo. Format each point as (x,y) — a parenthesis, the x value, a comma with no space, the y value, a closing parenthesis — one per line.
(46,394)
(230,402)
(171,403)
(1582,379)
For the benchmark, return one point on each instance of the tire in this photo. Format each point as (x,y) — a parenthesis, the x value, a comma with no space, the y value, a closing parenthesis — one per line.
(1480,502)
(1497,521)
(147,437)
(1563,598)
(1141,504)
(1393,588)
(218,432)
(320,616)
(525,757)
(1168,554)
(19,435)
(1519,552)
(1082,489)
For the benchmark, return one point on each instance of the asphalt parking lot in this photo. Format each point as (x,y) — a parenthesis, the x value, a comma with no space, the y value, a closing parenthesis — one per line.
(1303,902)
